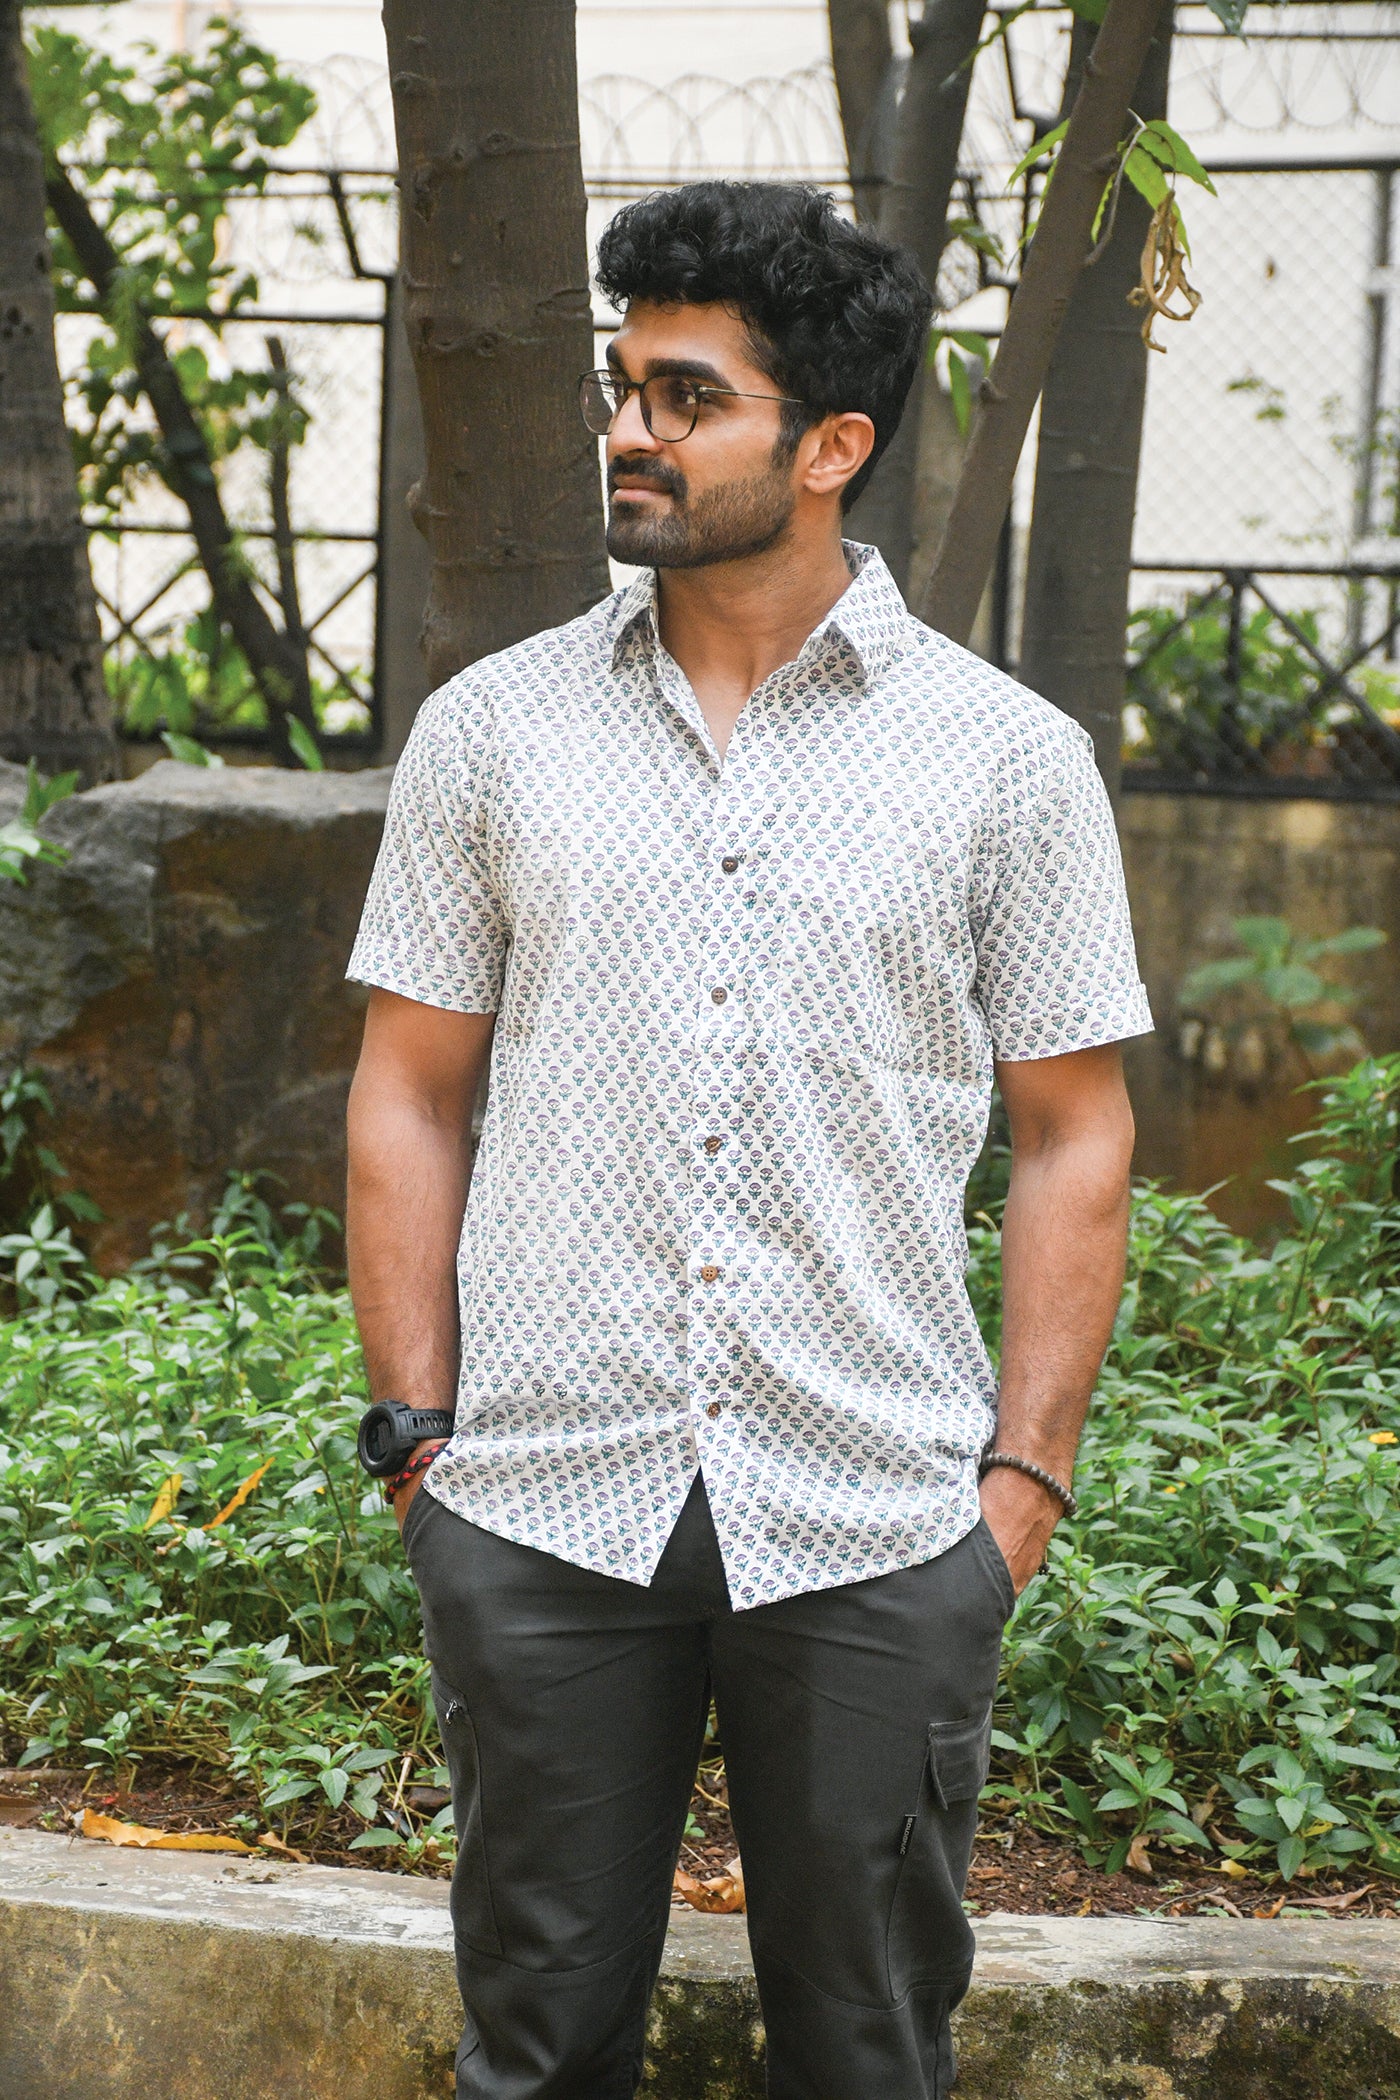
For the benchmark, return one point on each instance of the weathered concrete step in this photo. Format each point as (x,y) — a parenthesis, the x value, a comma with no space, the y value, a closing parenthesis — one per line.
(167,1976)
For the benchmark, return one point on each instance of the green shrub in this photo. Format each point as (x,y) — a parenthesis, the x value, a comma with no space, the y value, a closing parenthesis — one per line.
(1210,1662)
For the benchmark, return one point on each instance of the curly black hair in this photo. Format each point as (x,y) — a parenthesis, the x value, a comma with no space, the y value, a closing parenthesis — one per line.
(835,315)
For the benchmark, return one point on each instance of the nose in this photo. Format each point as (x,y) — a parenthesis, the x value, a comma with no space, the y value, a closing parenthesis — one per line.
(629,432)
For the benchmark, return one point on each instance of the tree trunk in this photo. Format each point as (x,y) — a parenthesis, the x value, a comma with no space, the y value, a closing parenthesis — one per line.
(1078,565)
(860,59)
(1057,254)
(499,317)
(915,213)
(276,662)
(406,566)
(54,706)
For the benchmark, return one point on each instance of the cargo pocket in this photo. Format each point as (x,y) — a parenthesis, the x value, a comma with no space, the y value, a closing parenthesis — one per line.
(473,1913)
(930,1940)
(959,1757)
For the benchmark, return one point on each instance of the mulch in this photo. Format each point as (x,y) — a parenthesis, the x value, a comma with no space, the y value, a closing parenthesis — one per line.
(1014,1868)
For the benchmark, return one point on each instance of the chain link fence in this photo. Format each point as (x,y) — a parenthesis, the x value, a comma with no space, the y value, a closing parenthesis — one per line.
(1264,638)
(1262,647)
(322,245)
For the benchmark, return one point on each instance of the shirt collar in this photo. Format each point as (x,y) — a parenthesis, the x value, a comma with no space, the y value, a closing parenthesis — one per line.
(870,616)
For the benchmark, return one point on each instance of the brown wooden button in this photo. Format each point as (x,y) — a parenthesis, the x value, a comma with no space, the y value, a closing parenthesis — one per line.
(709,1274)
(712,1145)
(719,995)
(714,1410)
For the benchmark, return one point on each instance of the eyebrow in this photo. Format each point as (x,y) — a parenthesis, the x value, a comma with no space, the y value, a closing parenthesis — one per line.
(694,368)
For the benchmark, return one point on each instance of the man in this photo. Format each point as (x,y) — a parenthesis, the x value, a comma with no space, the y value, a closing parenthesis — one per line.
(746,881)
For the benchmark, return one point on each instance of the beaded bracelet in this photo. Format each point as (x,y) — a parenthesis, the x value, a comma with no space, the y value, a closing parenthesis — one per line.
(419,1463)
(1057,1488)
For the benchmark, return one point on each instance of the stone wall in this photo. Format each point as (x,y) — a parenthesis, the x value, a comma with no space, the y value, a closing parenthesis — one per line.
(179,984)
(1194,863)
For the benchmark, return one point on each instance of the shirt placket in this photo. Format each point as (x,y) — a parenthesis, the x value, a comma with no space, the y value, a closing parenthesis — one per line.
(731,906)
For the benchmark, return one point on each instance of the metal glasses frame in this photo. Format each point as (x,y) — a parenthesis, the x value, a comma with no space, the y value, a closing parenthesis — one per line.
(627,387)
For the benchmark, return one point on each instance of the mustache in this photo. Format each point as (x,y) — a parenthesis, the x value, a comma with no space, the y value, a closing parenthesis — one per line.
(642,467)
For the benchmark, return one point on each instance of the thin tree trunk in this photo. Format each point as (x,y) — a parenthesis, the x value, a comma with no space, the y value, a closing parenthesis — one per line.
(279,667)
(279,494)
(860,58)
(495,268)
(915,213)
(54,706)
(1057,254)
(1078,565)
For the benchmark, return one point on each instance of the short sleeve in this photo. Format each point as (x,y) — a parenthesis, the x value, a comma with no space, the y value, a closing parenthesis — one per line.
(1056,966)
(433,928)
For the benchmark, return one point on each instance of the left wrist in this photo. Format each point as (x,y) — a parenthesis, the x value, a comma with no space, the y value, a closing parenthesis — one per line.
(1054,1485)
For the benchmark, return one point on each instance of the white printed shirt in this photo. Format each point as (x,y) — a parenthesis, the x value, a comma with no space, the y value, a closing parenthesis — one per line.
(742,1068)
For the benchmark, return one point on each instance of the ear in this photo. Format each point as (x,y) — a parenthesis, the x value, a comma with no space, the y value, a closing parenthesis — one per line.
(834,450)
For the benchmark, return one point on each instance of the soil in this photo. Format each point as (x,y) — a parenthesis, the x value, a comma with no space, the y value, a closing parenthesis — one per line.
(1013,1869)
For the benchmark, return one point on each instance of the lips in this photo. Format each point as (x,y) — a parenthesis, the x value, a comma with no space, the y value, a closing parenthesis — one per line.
(643,481)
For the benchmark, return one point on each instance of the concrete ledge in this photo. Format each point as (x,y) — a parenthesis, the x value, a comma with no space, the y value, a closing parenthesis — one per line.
(186,1977)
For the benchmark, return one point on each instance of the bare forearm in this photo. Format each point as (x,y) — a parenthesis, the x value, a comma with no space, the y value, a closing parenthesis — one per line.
(1062,1246)
(407,1193)
(409,1151)
(1063,1243)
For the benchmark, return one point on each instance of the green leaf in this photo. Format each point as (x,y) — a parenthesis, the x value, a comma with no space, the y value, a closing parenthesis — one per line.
(1203,983)
(304,745)
(335,1784)
(1292,1852)
(1089,10)
(1081,1807)
(1169,147)
(40,794)
(1292,984)
(1037,153)
(1229,13)
(1357,940)
(1319,1038)
(188,750)
(976,346)
(960,393)
(1145,176)
(1268,938)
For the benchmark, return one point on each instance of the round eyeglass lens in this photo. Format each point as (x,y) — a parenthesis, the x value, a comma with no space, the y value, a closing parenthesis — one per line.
(598,398)
(671,408)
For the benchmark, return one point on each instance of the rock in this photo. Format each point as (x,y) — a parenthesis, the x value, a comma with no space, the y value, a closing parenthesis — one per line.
(179,984)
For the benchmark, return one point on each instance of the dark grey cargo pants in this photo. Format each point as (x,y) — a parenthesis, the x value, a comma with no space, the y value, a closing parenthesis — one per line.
(855,1725)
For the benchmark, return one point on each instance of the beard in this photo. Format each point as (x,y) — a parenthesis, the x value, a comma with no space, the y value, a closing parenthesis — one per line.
(728,523)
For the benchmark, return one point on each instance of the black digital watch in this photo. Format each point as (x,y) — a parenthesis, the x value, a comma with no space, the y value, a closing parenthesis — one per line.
(391,1430)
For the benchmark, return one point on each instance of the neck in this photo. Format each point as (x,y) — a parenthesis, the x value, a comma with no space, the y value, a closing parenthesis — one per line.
(731,624)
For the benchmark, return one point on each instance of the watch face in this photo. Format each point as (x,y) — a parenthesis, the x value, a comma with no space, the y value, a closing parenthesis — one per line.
(382,1445)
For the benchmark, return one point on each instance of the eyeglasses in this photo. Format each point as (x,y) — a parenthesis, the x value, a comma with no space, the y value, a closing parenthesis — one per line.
(670,407)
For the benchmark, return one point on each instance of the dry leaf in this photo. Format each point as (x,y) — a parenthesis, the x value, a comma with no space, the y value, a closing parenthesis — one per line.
(112,1831)
(239,1496)
(1271,1910)
(1139,1860)
(1343,1902)
(20,1811)
(1235,1871)
(275,1844)
(165,1501)
(723,1892)
(1163,270)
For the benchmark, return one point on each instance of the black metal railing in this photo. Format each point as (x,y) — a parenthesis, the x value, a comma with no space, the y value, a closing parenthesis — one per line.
(1237,688)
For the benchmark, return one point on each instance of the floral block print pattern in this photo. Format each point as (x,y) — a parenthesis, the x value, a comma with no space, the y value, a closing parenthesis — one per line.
(747,1012)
